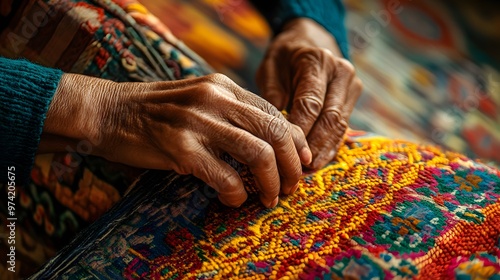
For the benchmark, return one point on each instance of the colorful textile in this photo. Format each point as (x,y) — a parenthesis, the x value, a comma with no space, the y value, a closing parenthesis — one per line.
(112,39)
(98,38)
(430,72)
(384,209)
(116,40)
(431,69)
(103,42)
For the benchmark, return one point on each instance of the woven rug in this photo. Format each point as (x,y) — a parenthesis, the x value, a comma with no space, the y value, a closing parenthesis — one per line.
(385,209)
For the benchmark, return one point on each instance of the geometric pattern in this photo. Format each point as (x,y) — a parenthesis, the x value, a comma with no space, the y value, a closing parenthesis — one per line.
(383,209)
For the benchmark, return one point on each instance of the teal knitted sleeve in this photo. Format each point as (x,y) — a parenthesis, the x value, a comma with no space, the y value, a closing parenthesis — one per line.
(26,90)
(329,13)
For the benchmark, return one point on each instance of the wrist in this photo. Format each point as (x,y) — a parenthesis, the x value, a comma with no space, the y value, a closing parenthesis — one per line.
(75,113)
(313,32)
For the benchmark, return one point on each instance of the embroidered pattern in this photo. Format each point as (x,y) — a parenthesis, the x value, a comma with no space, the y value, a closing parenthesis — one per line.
(384,209)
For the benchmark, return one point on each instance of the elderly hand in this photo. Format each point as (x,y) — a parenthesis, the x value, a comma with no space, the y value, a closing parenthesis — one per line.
(183,126)
(304,73)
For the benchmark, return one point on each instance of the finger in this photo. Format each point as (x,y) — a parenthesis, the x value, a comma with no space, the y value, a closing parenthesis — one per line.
(222,177)
(328,132)
(310,85)
(301,145)
(259,156)
(277,132)
(355,90)
(298,136)
(246,97)
(270,85)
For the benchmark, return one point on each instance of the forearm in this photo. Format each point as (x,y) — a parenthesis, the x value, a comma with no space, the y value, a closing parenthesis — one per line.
(314,33)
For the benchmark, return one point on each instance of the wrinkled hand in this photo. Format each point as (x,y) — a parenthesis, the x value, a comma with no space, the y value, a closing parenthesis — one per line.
(304,73)
(185,126)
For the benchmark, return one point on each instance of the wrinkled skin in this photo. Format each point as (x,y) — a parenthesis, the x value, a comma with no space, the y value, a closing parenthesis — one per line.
(183,126)
(187,125)
(304,72)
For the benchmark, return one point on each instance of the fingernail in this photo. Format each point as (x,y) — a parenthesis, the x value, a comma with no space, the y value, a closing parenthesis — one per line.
(294,189)
(332,154)
(274,203)
(306,156)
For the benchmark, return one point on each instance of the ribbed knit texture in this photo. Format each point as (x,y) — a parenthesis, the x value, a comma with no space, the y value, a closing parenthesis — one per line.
(329,13)
(26,90)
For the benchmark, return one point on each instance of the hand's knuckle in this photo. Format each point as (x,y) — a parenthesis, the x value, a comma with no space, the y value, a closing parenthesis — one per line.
(307,55)
(263,153)
(271,110)
(278,130)
(357,85)
(316,55)
(297,130)
(219,78)
(222,80)
(184,144)
(208,88)
(312,102)
(345,66)
(335,122)
(310,106)
(326,52)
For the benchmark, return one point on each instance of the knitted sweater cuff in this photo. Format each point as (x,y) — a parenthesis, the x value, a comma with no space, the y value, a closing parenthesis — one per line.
(328,13)
(26,90)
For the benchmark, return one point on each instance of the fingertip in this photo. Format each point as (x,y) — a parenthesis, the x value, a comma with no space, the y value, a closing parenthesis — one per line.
(273,203)
(232,192)
(233,202)
(295,188)
(305,153)
(265,198)
(305,156)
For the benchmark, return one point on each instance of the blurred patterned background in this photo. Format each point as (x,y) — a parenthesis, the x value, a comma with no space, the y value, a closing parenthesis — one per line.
(430,69)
